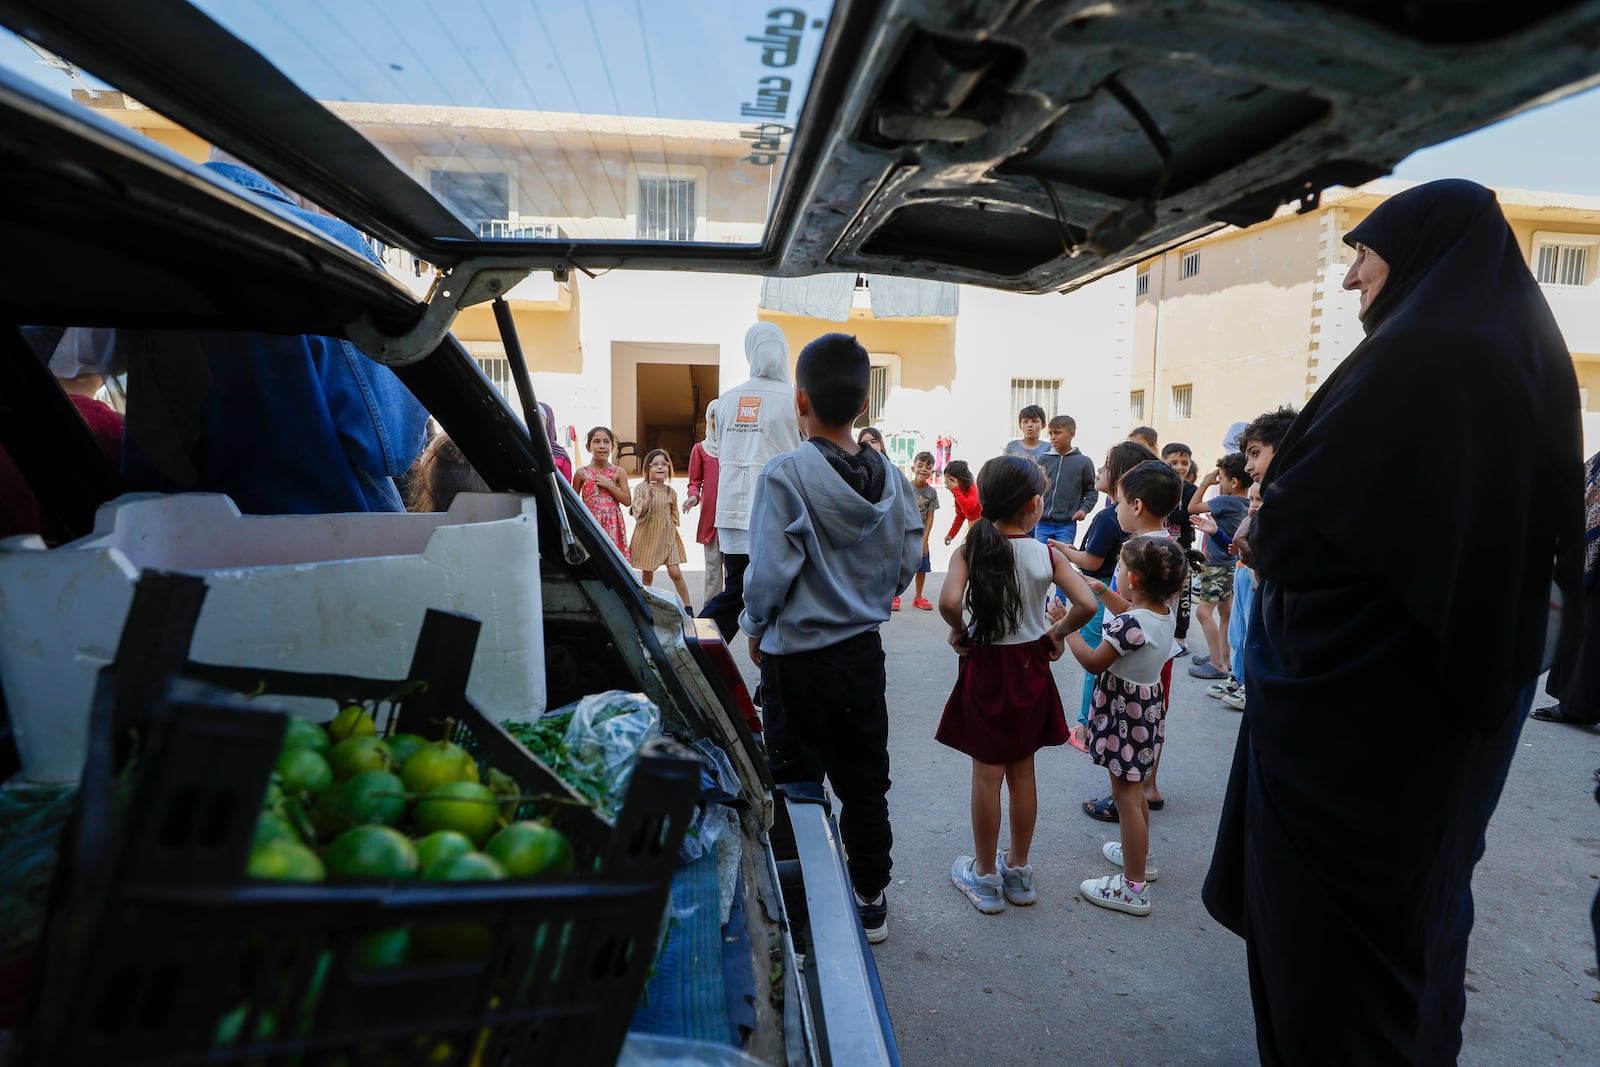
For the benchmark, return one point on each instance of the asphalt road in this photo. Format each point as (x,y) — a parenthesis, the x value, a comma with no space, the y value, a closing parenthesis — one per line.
(1065,982)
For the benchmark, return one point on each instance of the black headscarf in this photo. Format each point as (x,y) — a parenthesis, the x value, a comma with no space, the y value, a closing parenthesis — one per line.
(1462,406)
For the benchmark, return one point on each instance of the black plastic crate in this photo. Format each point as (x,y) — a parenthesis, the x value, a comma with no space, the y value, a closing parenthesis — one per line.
(156,939)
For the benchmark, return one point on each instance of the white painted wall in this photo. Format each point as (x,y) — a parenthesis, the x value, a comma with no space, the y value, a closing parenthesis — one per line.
(1084,338)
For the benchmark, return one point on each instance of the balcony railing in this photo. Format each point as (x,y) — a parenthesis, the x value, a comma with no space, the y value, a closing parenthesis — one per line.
(519,230)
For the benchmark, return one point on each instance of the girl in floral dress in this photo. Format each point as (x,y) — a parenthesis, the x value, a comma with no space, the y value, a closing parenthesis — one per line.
(1128,709)
(604,487)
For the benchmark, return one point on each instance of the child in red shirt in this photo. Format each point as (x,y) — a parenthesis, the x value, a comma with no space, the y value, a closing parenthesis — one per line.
(958,479)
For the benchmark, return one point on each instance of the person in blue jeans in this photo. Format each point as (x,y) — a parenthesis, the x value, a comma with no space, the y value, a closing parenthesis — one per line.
(1069,492)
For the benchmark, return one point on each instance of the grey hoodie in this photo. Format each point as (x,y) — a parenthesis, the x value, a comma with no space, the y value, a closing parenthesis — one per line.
(824,562)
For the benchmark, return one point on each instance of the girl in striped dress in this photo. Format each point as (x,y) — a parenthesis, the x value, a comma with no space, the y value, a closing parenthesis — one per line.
(655,536)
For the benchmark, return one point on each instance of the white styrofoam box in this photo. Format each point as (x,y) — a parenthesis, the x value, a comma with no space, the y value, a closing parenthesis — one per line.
(340,594)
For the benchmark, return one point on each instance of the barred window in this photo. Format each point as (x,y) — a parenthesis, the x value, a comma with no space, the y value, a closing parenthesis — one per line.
(1141,282)
(1136,406)
(666,209)
(498,370)
(1557,264)
(1191,265)
(1182,401)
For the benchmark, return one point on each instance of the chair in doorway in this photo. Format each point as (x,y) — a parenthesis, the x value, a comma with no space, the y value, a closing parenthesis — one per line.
(627,448)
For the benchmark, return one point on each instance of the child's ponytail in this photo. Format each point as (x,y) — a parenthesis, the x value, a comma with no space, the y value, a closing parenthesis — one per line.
(1005,485)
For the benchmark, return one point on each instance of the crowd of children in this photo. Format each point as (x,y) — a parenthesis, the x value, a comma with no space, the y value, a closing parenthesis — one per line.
(837,533)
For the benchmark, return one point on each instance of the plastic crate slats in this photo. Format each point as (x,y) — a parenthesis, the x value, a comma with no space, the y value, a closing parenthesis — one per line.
(171,940)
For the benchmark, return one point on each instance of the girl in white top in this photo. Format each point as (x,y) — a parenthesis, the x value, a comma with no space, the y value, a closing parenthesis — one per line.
(1005,705)
(1128,709)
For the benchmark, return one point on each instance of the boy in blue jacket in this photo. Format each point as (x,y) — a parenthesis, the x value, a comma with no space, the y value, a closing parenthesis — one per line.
(834,538)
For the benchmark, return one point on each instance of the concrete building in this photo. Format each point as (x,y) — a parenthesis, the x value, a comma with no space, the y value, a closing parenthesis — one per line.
(644,351)
(1239,322)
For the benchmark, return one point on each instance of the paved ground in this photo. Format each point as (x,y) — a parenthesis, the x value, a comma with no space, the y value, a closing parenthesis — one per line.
(1064,982)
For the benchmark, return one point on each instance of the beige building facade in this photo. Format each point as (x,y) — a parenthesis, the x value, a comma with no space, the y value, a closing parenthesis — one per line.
(1240,322)
(644,352)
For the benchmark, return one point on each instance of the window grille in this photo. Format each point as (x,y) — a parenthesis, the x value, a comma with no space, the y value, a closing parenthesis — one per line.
(1046,392)
(1141,283)
(666,209)
(1182,401)
(1136,406)
(498,370)
(1561,264)
(1191,265)
(878,393)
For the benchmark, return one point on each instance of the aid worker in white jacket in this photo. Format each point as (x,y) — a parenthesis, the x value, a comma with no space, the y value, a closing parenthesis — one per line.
(755,422)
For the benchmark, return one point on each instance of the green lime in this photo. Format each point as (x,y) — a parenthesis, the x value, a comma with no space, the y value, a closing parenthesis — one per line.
(386,948)
(304,771)
(404,746)
(524,849)
(356,754)
(441,846)
(467,867)
(352,721)
(371,852)
(274,827)
(302,733)
(272,799)
(374,797)
(371,797)
(465,807)
(284,861)
(438,763)
(457,941)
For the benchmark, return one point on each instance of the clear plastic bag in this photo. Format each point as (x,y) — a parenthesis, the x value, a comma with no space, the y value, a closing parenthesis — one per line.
(604,738)
(720,785)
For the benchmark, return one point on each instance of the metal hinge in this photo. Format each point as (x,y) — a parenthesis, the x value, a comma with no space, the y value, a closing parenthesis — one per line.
(472,281)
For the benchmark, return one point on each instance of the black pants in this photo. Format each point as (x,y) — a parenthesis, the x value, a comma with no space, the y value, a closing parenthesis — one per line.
(724,608)
(826,716)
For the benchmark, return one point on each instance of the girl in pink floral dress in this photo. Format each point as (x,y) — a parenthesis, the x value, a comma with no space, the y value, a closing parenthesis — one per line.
(604,487)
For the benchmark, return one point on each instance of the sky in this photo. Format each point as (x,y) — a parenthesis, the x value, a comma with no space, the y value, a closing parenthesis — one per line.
(1555,148)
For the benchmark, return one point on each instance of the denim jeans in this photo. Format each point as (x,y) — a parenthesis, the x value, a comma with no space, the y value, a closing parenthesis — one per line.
(1091,636)
(1065,532)
(1244,591)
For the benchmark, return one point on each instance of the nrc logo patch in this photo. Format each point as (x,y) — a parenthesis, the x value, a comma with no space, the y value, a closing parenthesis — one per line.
(749,409)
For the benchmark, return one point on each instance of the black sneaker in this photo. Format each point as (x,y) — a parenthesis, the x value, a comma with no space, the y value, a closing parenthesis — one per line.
(875,919)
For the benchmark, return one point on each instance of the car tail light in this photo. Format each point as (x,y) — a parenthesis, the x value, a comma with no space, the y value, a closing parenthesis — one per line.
(705,634)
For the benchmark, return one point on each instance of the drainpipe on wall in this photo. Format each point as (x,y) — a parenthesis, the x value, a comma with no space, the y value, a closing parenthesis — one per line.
(1155,352)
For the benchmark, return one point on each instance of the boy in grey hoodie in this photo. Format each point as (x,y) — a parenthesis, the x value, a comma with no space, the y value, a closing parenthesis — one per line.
(834,538)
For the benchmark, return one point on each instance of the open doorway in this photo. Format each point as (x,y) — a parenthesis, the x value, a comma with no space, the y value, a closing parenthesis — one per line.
(672,407)
(660,398)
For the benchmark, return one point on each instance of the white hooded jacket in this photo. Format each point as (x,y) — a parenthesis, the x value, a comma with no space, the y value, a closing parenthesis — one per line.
(755,422)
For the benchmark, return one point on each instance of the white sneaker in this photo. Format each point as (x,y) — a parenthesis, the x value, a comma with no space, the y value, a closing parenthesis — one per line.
(1112,850)
(1016,881)
(984,890)
(1112,892)
(1220,690)
(1235,699)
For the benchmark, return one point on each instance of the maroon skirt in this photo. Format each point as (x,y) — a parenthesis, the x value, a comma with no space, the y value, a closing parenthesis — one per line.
(1005,706)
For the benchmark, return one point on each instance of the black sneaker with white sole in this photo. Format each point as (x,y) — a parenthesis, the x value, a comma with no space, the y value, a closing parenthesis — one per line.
(875,919)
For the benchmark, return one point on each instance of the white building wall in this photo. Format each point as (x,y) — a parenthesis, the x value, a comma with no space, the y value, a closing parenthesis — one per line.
(1084,338)
(649,307)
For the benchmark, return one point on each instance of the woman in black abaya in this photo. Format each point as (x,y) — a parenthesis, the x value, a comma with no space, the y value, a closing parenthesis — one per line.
(1390,666)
